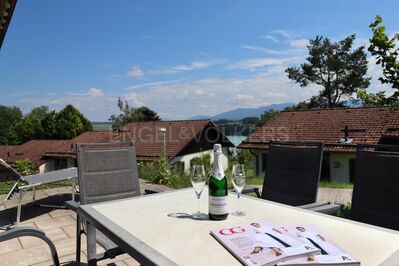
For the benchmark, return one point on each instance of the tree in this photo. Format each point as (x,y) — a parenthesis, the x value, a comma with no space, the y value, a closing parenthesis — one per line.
(26,129)
(334,67)
(49,124)
(30,127)
(39,112)
(69,123)
(250,120)
(266,116)
(9,115)
(130,114)
(387,54)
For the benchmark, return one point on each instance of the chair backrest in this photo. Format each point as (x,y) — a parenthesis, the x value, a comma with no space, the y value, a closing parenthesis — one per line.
(292,172)
(375,198)
(107,171)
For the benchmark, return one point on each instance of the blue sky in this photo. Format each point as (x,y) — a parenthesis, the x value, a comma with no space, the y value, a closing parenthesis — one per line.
(180,58)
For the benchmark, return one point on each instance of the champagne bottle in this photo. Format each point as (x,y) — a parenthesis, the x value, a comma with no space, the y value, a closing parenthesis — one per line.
(217,187)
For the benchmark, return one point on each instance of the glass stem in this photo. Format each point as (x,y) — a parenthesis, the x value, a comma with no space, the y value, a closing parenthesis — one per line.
(238,200)
(199,203)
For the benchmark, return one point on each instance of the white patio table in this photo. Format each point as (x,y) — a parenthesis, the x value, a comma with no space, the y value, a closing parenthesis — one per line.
(141,227)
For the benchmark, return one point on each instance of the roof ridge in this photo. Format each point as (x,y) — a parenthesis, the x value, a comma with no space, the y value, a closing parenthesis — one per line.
(165,121)
(339,108)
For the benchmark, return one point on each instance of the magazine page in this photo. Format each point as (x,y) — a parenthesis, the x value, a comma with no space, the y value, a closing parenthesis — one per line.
(330,253)
(260,243)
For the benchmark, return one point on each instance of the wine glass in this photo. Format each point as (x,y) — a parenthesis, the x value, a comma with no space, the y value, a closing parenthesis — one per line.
(198,182)
(238,179)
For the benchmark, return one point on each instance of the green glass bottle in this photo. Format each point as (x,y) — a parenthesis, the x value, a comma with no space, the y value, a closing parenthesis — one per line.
(218,187)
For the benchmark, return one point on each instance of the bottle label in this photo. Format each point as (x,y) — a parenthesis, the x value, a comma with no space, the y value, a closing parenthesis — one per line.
(218,205)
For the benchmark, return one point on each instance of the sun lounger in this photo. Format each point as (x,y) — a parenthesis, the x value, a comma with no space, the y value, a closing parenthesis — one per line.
(24,183)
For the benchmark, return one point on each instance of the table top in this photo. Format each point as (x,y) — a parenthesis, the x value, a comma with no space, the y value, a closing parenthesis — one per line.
(142,224)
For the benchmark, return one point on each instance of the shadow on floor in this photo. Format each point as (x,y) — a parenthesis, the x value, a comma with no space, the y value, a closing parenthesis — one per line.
(32,210)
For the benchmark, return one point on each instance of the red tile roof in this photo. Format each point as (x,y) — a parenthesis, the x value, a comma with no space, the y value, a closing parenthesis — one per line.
(5,151)
(325,126)
(147,137)
(33,150)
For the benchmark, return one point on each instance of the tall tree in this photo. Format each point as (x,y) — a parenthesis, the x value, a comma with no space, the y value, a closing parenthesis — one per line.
(26,129)
(130,114)
(386,51)
(335,67)
(39,112)
(70,123)
(9,115)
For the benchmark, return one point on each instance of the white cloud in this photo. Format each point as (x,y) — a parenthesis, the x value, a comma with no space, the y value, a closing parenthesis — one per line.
(112,77)
(149,84)
(133,98)
(283,33)
(264,49)
(195,65)
(135,71)
(241,97)
(375,71)
(298,43)
(94,92)
(258,63)
(270,38)
(93,103)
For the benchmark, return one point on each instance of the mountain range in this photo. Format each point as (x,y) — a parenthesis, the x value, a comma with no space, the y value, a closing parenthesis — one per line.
(241,113)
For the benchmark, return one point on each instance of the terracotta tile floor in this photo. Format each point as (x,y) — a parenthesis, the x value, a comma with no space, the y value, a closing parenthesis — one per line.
(59,226)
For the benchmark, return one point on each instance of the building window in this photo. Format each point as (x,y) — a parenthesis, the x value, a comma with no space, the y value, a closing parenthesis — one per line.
(60,164)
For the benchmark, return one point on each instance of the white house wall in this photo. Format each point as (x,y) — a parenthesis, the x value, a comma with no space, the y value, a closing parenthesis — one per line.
(257,160)
(339,167)
(50,165)
(188,157)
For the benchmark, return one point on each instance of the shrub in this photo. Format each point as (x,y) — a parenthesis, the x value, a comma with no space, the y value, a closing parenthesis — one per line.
(25,167)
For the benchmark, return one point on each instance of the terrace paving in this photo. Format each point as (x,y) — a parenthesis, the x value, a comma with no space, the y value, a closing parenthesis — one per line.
(58,224)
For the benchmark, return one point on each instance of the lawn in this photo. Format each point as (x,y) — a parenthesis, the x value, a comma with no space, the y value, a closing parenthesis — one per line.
(6,186)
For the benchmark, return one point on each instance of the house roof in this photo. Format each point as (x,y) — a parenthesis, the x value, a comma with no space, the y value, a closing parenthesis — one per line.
(6,11)
(326,125)
(33,150)
(148,137)
(5,151)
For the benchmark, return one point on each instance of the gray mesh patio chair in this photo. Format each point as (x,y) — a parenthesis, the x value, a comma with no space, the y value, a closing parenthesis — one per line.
(32,232)
(106,172)
(292,176)
(376,188)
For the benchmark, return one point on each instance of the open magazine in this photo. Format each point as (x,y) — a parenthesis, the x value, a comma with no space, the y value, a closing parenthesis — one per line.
(330,253)
(259,243)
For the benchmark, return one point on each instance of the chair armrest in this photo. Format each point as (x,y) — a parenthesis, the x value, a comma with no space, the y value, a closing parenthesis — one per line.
(322,207)
(248,190)
(34,232)
(327,209)
(313,205)
(21,231)
(151,191)
(72,205)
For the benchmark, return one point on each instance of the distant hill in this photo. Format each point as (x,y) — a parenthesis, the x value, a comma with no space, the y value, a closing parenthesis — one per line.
(241,113)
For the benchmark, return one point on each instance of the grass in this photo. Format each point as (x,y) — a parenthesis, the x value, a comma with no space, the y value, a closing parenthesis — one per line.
(328,184)
(6,186)
(254,180)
